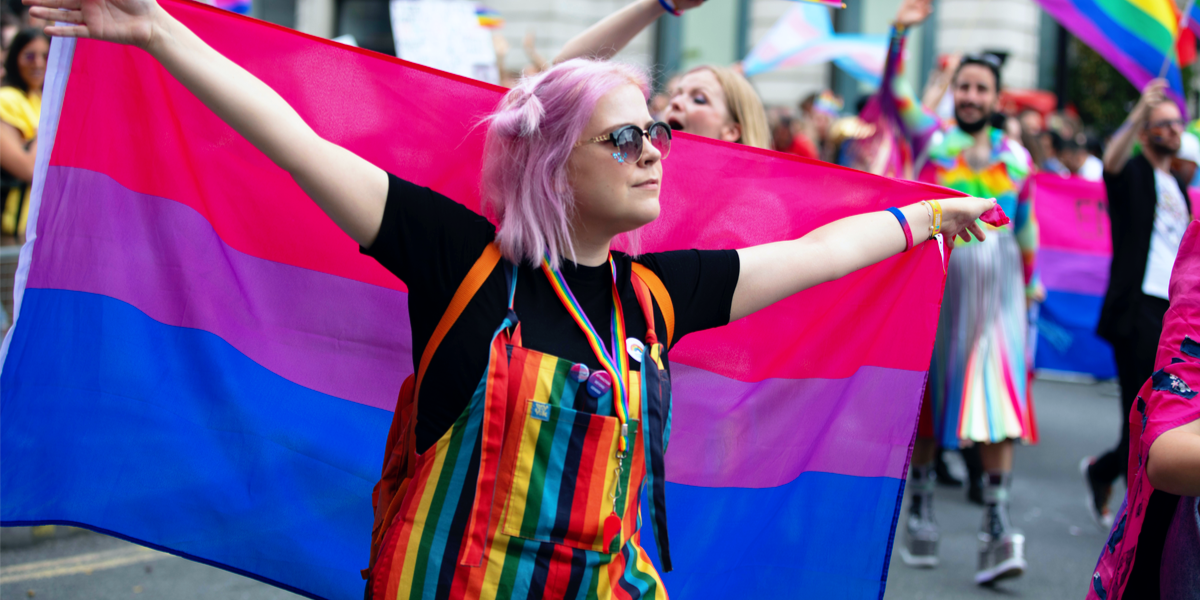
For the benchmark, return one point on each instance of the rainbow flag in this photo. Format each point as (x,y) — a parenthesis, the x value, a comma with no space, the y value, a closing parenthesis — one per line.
(1136,36)
(203,363)
(804,36)
(488,18)
(1192,17)
(1073,259)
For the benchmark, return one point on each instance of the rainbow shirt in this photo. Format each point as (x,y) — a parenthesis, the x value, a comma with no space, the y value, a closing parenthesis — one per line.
(1006,178)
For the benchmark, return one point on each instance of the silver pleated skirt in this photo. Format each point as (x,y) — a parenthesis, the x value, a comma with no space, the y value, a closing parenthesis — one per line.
(978,373)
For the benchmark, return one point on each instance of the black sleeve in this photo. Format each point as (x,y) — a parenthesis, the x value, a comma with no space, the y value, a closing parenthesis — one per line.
(426,239)
(1116,189)
(701,284)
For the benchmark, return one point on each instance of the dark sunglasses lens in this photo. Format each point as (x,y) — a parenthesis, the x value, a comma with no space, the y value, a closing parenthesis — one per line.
(660,136)
(629,143)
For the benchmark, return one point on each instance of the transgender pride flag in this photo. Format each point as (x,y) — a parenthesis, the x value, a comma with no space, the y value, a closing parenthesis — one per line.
(202,362)
(804,36)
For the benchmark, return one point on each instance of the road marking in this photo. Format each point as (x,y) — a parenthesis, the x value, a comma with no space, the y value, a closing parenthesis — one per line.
(81,563)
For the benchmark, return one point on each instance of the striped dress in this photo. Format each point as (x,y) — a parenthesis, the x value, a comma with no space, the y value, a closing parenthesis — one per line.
(978,378)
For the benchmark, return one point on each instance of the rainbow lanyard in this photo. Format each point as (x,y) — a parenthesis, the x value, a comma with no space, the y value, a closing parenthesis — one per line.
(617,369)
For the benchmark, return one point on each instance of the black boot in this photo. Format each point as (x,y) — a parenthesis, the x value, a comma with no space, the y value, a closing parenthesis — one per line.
(975,474)
(942,472)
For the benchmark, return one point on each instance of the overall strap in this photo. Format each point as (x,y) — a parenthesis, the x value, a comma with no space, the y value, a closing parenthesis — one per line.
(400,452)
(655,407)
(643,274)
(466,290)
(491,433)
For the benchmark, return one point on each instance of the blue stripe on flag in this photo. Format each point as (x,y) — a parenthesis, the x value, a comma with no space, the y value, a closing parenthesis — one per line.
(1067,339)
(172,437)
(822,535)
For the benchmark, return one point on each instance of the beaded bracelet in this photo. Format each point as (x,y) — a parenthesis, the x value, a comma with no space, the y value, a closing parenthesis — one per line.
(669,8)
(908,239)
(929,213)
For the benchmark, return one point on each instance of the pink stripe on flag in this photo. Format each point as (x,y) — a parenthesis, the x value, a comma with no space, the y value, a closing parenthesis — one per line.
(1078,210)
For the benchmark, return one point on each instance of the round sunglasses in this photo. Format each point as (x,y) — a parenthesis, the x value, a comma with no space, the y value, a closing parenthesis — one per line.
(629,144)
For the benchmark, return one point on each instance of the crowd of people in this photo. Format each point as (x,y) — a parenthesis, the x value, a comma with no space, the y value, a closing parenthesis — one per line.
(24,49)
(954,134)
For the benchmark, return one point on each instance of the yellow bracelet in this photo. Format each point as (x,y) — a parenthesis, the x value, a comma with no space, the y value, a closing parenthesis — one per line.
(937,217)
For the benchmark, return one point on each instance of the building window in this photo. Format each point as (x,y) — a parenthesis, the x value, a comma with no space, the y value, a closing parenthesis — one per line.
(369,21)
(714,35)
(279,12)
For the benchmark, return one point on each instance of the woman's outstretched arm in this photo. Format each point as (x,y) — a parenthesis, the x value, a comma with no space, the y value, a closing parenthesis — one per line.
(771,272)
(349,189)
(614,32)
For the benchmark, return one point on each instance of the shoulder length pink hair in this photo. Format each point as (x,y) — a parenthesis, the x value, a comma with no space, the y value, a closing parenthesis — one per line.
(524,185)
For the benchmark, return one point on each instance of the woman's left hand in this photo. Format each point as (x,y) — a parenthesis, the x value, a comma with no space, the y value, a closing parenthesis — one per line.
(960,217)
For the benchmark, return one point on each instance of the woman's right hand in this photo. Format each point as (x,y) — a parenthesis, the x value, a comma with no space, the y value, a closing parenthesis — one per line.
(960,217)
(685,5)
(121,21)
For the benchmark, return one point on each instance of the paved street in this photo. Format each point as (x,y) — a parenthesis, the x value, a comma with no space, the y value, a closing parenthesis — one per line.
(1062,542)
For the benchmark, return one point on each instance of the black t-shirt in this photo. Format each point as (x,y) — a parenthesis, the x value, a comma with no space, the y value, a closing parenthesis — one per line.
(430,242)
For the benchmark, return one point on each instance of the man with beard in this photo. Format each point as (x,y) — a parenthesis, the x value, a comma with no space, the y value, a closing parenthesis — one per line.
(1149,211)
(977,380)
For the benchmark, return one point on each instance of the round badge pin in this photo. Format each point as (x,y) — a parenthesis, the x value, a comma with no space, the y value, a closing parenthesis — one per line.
(598,383)
(635,347)
(579,372)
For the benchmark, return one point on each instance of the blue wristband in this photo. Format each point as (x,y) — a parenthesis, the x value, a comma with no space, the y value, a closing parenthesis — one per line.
(908,239)
(669,8)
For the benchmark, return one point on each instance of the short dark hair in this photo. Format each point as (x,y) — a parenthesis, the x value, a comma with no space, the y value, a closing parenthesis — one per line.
(986,59)
(12,74)
(1078,141)
(1056,141)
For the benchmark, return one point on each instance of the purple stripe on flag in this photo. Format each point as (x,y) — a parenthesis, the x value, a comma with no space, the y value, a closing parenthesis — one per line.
(334,335)
(729,433)
(1074,272)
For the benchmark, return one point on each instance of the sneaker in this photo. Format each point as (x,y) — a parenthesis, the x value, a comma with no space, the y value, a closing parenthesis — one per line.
(1097,495)
(921,534)
(1000,557)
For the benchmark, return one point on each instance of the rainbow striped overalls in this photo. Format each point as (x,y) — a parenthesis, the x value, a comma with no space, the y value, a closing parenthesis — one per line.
(511,501)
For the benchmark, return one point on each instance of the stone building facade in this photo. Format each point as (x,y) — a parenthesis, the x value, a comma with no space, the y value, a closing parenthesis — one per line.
(722,31)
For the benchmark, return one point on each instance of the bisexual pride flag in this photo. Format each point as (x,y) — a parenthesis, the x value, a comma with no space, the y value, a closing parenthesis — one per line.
(1074,258)
(203,363)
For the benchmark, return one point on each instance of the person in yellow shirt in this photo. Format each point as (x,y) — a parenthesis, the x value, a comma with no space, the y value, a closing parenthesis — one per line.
(20,109)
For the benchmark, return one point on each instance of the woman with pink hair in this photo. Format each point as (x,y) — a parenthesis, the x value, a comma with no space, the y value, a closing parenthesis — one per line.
(532,439)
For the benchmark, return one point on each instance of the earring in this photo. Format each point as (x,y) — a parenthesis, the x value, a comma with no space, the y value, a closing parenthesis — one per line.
(620,156)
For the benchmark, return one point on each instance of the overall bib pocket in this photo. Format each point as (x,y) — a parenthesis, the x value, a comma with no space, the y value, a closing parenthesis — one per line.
(565,477)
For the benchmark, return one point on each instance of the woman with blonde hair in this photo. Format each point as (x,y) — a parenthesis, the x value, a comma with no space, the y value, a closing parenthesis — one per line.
(510,494)
(710,101)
